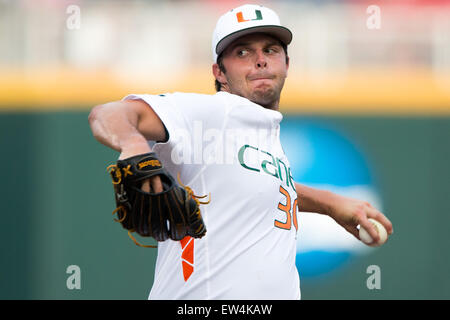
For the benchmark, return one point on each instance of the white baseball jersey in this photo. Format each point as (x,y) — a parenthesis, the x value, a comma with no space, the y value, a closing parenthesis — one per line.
(228,147)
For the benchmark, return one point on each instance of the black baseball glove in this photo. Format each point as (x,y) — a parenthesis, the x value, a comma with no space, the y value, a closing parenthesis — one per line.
(171,214)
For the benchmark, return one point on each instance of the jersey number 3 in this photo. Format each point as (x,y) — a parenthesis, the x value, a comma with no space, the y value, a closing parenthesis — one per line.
(286,208)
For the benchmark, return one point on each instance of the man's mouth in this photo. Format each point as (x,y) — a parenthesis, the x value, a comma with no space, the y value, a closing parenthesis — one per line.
(260,77)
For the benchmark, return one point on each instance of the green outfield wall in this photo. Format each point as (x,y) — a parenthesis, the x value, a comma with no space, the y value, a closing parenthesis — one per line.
(57,202)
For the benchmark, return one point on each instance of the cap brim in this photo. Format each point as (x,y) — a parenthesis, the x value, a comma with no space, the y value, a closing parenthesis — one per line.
(279,32)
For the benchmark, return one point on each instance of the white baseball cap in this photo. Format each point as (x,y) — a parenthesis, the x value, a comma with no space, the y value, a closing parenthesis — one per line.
(244,20)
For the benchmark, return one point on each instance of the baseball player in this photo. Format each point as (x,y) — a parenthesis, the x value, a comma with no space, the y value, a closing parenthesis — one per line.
(227,145)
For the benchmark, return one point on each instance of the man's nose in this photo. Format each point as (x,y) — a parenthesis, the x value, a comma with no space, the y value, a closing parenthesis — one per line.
(261,61)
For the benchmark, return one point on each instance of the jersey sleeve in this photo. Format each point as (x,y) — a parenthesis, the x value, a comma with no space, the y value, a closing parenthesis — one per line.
(166,111)
(190,120)
(181,112)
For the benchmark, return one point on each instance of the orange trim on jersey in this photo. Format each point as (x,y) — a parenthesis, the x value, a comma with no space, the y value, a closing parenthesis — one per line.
(187,270)
(184,241)
(188,252)
(187,256)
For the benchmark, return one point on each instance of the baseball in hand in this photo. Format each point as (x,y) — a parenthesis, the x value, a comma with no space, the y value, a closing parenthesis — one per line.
(367,239)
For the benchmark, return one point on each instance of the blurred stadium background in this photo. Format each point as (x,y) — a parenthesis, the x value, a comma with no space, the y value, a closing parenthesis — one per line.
(372,101)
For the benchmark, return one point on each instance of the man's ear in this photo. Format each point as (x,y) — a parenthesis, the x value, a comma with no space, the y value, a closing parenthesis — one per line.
(287,65)
(218,74)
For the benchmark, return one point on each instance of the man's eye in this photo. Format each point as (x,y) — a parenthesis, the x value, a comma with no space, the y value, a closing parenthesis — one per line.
(242,52)
(271,50)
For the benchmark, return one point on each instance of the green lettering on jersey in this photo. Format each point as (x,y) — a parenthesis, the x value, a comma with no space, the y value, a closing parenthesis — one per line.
(241,157)
(285,170)
(271,167)
(291,179)
(266,162)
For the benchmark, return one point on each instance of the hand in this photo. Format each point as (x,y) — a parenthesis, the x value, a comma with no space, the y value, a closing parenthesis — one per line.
(153,184)
(134,145)
(350,213)
(137,145)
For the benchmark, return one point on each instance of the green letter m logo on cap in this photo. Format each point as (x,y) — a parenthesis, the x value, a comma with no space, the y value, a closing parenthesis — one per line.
(240,16)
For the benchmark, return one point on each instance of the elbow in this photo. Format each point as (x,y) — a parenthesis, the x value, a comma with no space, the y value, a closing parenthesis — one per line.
(93,115)
(94,120)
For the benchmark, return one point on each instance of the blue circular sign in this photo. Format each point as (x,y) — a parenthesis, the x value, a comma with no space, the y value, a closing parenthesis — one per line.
(322,157)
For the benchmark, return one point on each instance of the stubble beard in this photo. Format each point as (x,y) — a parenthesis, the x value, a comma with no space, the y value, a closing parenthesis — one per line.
(269,98)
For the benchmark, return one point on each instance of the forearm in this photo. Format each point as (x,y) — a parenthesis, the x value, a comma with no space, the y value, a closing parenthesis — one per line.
(313,200)
(347,212)
(116,127)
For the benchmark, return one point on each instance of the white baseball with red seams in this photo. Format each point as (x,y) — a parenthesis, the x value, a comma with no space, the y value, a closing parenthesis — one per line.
(367,239)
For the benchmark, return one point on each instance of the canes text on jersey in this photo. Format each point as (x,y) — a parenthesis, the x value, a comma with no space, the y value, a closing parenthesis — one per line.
(266,162)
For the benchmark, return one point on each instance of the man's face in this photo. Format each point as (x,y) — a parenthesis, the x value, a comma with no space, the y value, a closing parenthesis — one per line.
(256,67)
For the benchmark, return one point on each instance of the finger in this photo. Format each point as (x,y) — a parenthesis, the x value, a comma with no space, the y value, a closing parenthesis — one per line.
(156,184)
(370,228)
(353,230)
(145,186)
(381,218)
